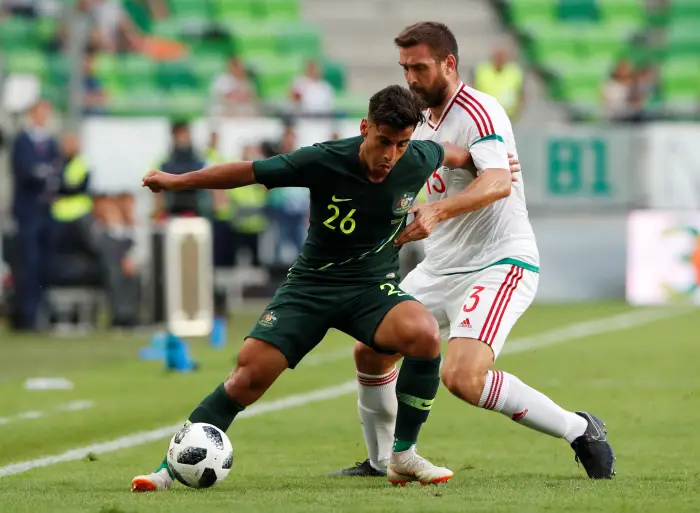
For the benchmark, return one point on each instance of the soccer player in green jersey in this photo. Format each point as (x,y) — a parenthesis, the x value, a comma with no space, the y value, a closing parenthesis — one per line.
(346,276)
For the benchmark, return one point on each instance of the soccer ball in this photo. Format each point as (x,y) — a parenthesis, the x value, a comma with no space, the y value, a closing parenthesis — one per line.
(200,455)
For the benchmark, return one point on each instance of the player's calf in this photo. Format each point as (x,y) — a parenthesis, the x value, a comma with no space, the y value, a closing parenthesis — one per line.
(464,371)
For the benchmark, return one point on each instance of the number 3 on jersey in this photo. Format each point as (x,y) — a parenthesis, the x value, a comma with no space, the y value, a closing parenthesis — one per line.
(347,225)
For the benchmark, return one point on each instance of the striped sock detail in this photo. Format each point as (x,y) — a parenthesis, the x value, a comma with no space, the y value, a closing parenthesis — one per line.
(493,395)
(499,305)
(367,380)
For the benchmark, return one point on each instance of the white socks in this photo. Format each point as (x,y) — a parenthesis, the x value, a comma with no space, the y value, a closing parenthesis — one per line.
(505,393)
(377,407)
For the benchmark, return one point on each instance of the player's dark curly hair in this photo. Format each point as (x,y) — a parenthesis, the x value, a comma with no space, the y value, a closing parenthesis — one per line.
(396,107)
(435,35)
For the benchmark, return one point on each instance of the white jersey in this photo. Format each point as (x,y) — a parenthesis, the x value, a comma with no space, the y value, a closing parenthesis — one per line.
(476,121)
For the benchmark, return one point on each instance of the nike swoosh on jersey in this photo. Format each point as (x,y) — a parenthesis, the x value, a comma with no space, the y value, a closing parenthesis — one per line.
(338,200)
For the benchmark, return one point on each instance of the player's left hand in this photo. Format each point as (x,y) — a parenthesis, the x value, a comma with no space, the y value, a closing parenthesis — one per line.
(422,226)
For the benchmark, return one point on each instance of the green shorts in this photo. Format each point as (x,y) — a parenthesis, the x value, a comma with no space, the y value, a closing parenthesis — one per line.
(300,314)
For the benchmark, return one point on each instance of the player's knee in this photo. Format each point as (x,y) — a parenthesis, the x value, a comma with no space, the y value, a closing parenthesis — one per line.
(466,385)
(368,361)
(423,337)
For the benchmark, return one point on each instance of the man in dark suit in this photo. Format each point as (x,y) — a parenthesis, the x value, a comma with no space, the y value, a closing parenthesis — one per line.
(35,170)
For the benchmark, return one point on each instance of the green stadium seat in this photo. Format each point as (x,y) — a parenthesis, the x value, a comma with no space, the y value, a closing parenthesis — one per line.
(287,10)
(135,70)
(582,87)
(46,30)
(603,40)
(299,38)
(184,9)
(176,75)
(680,79)
(684,39)
(138,12)
(274,75)
(206,67)
(577,10)
(170,28)
(631,12)
(334,73)
(351,105)
(259,38)
(186,104)
(27,61)
(16,34)
(234,10)
(684,10)
(526,14)
(553,42)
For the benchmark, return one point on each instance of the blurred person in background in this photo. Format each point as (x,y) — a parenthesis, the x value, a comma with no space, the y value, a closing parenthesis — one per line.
(35,172)
(111,28)
(288,206)
(94,95)
(311,93)
(644,93)
(502,78)
(617,90)
(114,229)
(232,93)
(248,215)
(182,159)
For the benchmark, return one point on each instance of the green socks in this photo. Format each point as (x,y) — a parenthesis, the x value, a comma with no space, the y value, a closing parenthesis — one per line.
(218,409)
(416,387)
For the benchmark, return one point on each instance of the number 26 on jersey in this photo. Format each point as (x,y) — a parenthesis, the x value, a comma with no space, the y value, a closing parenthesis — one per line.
(346,225)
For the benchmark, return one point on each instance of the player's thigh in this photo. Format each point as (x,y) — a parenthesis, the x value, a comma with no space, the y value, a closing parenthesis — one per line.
(295,321)
(486,305)
(389,320)
(430,290)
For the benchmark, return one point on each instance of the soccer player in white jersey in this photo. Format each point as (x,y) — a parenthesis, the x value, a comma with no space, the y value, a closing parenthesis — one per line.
(480,272)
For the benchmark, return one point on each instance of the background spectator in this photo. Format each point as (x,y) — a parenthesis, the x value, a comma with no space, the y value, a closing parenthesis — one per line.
(232,92)
(616,91)
(95,97)
(311,93)
(503,79)
(35,169)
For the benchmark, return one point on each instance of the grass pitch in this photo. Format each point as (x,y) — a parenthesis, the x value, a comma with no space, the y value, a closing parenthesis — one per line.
(642,380)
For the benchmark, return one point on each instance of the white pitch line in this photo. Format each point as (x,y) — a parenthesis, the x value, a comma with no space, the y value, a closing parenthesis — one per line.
(546,339)
(144,437)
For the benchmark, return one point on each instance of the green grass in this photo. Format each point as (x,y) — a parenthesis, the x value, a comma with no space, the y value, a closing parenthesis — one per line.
(642,381)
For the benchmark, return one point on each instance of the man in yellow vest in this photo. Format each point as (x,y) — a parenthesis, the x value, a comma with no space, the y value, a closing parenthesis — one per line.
(503,79)
(73,206)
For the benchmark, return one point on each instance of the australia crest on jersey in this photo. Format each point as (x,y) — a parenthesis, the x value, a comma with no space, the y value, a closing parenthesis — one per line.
(404,204)
(268,319)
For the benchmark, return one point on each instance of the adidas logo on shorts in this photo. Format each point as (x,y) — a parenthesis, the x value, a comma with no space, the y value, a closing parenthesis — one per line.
(465,323)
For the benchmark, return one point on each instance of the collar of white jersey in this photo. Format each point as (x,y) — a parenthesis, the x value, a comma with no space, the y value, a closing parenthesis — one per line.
(448,106)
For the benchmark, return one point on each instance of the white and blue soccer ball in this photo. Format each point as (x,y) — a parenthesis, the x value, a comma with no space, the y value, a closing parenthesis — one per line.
(200,455)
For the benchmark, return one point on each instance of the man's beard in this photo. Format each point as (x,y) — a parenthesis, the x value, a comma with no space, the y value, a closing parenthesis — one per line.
(433,98)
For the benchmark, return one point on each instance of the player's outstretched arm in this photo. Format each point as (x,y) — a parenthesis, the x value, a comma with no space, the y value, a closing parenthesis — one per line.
(220,176)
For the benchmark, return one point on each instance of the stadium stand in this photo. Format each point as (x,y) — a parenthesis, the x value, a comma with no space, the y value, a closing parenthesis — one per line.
(268,35)
(575,43)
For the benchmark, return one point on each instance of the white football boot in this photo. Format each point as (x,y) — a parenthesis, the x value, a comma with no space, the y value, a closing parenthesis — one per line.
(406,467)
(153,482)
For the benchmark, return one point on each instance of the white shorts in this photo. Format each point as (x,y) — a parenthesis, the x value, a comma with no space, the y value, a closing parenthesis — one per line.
(483,305)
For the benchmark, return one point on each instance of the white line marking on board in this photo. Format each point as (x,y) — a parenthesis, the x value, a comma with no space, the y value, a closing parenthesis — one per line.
(545,339)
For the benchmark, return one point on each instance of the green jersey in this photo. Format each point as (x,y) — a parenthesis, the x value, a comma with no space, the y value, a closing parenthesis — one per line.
(353,221)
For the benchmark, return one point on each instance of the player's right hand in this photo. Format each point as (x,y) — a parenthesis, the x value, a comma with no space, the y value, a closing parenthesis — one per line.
(159,181)
(514,166)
